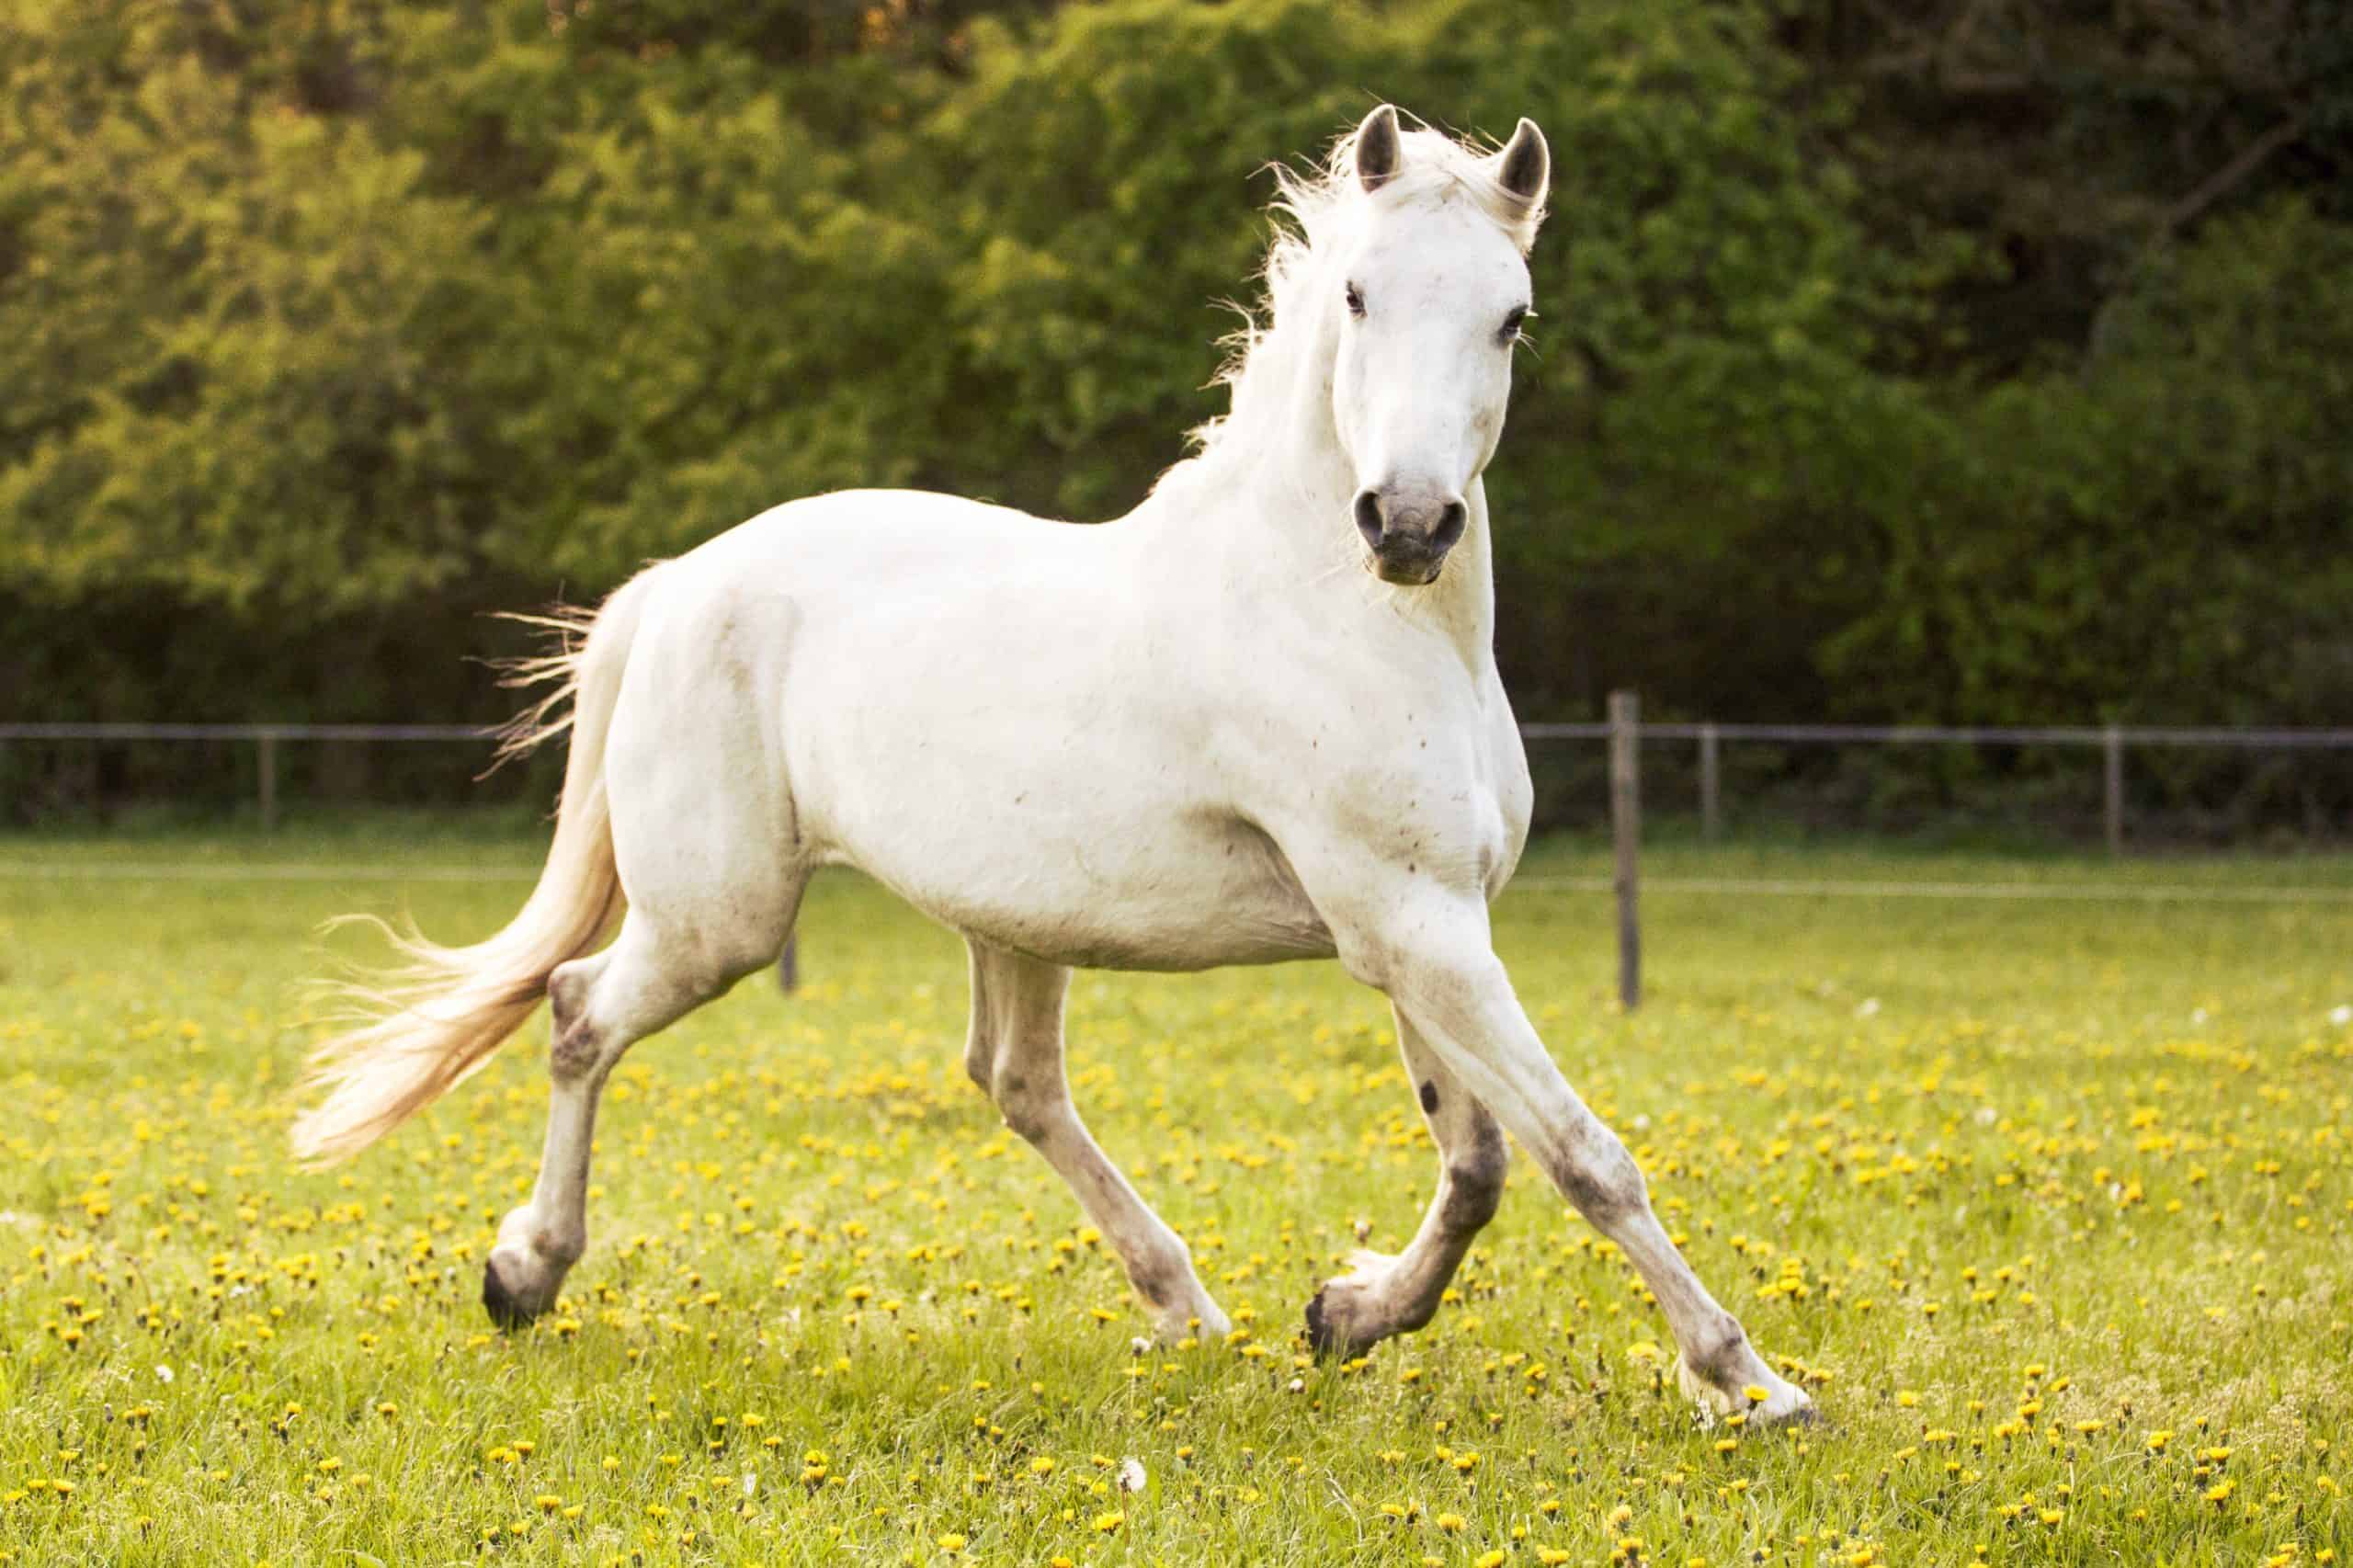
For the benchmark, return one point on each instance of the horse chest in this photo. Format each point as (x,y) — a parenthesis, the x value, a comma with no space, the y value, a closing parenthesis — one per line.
(1434,784)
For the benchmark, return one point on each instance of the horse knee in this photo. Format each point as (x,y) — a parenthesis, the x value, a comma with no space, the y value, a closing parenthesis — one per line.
(1030,1108)
(1602,1179)
(1474,1180)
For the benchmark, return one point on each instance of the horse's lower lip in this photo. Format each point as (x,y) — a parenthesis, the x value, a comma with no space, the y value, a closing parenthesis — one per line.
(1415,573)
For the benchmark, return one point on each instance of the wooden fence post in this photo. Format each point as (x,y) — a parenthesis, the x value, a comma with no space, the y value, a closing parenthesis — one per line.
(1710,785)
(1626,829)
(2112,749)
(269,770)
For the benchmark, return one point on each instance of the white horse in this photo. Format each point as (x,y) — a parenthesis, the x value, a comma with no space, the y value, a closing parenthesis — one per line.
(1256,718)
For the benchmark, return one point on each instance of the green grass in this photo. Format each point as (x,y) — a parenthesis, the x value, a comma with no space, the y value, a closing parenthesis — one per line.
(2016,1184)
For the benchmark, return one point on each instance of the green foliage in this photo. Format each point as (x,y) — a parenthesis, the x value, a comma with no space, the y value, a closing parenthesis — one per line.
(2159,536)
(325,327)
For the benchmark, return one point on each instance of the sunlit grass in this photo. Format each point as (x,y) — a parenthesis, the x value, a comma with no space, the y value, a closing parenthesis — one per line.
(2051,1204)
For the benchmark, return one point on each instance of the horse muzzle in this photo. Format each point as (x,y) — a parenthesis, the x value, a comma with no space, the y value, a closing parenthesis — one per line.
(1409,532)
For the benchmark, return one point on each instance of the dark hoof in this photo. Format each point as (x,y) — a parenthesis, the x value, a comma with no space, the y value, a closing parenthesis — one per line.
(1806,1417)
(504,1311)
(1320,1335)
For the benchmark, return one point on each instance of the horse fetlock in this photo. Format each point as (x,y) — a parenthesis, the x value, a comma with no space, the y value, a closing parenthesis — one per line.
(518,1285)
(1358,1310)
(1180,1308)
(1723,1374)
(525,1272)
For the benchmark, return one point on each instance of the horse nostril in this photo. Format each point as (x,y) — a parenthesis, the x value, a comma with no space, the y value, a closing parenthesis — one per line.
(1370,521)
(1451,524)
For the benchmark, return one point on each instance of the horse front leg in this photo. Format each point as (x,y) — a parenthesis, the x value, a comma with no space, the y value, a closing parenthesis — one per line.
(1015,1055)
(1428,948)
(1380,1296)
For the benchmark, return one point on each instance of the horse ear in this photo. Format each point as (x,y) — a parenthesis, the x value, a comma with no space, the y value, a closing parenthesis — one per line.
(1525,166)
(1379,150)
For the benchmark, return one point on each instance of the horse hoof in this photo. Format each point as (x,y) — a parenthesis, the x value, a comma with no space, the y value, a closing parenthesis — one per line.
(1805,1418)
(1321,1337)
(505,1310)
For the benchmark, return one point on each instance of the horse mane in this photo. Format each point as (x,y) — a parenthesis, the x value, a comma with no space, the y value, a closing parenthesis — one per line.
(1310,207)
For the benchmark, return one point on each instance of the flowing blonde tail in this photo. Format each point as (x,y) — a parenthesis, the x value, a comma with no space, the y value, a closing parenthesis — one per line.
(420,1028)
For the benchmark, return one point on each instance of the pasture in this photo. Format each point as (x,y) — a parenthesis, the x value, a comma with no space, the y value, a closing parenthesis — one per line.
(2049,1202)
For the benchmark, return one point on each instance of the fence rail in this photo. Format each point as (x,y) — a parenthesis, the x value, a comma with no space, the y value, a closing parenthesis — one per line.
(1625,732)
(2112,740)
(247,731)
(1965,734)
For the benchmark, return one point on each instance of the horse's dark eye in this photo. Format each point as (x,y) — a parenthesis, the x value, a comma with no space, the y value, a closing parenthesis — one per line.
(1513,323)
(1355,300)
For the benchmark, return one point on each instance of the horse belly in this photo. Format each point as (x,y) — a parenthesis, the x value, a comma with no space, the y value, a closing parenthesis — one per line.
(1081,827)
(1077,854)
(1167,893)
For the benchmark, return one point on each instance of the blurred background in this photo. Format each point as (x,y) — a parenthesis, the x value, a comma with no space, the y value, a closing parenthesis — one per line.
(1902,362)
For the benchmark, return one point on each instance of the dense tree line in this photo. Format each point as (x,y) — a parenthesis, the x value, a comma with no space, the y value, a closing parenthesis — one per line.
(1953,359)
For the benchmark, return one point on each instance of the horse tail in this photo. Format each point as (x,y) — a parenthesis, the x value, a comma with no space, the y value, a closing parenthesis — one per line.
(420,1028)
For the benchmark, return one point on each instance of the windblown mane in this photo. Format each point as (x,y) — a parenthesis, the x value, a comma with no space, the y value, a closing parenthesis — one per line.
(1309,209)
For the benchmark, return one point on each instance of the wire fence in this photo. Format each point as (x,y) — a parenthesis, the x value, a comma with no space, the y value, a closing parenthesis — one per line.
(1624,734)
(2145,775)
(2175,782)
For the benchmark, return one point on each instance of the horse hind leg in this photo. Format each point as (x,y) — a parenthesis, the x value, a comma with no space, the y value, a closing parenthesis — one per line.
(1015,1053)
(601,1006)
(1380,1296)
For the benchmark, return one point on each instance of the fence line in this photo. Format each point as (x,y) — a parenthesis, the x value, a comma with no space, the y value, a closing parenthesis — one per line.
(2246,738)
(253,872)
(1766,887)
(1624,730)
(248,732)
(2249,739)
(1860,887)
(2111,740)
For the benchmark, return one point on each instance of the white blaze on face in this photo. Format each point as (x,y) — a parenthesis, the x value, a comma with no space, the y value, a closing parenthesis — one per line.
(1432,292)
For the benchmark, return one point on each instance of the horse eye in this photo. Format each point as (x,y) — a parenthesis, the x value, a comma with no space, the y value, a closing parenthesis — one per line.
(1513,323)
(1355,300)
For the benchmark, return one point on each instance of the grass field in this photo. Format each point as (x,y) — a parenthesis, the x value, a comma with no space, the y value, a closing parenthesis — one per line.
(2052,1201)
